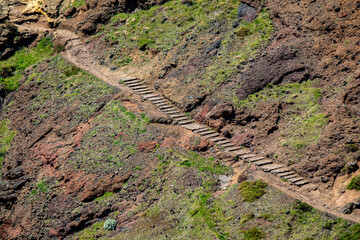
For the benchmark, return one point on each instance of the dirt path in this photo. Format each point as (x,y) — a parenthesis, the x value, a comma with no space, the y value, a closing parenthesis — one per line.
(78,54)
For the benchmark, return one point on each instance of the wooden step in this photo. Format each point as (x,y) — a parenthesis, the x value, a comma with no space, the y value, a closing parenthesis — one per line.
(139,87)
(301,183)
(121,81)
(166,107)
(172,111)
(182,118)
(207,132)
(162,104)
(282,175)
(268,168)
(159,101)
(290,176)
(203,129)
(293,180)
(254,159)
(281,170)
(242,152)
(216,139)
(213,135)
(135,84)
(231,149)
(186,122)
(246,156)
(178,115)
(226,145)
(145,92)
(263,162)
(153,97)
(224,142)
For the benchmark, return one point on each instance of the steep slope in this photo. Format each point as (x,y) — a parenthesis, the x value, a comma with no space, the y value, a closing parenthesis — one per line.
(276,76)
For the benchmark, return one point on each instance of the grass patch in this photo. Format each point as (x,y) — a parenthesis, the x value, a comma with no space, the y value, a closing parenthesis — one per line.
(11,70)
(306,132)
(6,137)
(94,232)
(193,159)
(253,234)
(251,191)
(42,186)
(354,183)
(106,195)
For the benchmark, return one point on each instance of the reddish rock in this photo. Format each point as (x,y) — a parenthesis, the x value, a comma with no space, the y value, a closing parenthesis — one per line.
(242,139)
(148,146)
(241,178)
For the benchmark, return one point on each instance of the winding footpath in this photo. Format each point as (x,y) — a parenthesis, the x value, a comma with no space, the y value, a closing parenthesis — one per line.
(274,174)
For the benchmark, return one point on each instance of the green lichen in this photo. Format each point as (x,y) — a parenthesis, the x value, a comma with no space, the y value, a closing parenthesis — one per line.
(6,137)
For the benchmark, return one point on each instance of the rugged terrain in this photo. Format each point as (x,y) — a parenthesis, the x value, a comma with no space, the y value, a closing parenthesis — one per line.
(78,147)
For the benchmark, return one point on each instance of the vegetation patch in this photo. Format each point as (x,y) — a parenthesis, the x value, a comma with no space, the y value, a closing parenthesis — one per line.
(193,159)
(250,191)
(354,183)
(11,70)
(254,234)
(6,137)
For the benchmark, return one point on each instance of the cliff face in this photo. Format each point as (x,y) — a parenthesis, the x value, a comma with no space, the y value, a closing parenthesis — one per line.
(278,77)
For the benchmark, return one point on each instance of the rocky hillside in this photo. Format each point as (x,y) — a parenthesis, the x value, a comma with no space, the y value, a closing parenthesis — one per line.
(86,159)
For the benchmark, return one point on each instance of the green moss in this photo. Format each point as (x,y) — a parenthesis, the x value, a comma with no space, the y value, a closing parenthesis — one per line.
(11,70)
(91,233)
(251,191)
(6,137)
(106,196)
(354,183)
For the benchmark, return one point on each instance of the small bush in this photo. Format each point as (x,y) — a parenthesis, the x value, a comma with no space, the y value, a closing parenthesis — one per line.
(110,225)
(72,71)
(304,207)
(354,183)
(352,147)
(250,191)
(253,234)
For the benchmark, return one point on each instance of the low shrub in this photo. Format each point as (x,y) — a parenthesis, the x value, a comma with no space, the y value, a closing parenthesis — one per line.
(354,183)
(250,191)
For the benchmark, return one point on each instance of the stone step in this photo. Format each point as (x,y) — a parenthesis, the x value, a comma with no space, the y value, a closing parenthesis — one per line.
(242,152)
(231,149)
(301,183)
(263,162)
(178,115)
(294,180)
(215,139)
(268,168)
(246,156)
(281,170)
(254,159)
(290,176)
(186,122)
(225,145)
(282,175)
